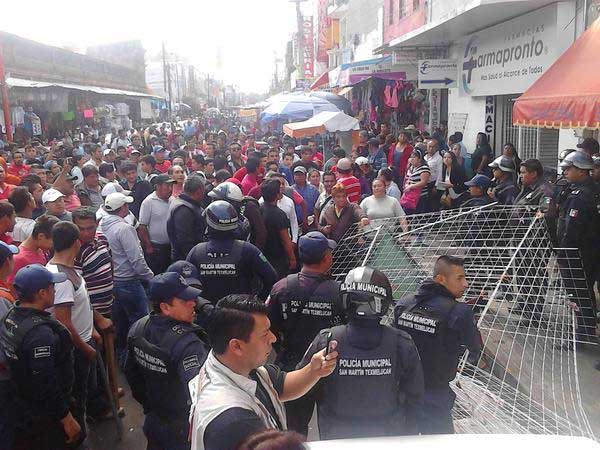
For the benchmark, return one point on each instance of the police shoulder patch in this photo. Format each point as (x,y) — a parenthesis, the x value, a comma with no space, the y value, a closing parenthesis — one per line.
(190,362)
(573,212)
(41,352)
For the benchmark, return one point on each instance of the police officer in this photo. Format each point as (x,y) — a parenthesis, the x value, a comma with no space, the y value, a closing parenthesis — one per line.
(40,356)
(186,226)
(478,196)
(505,190)
(561,191)
(299,307)
(377,387)
(535,191)
(165,352)
(579,228)
(227,265)
(204,308)
(440,326)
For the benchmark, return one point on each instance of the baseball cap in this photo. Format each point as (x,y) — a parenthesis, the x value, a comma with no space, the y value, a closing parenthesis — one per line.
(374,141)
(71,177)
(361,160)
(163,178)
(114,201)
(168,285)
(107,151)
(313,245)
(344,164)
(7,249)
(111,188)
(34,277)
(480,181)
(301,169)
(51,195)
(590,144)
(187,270)
(158,148)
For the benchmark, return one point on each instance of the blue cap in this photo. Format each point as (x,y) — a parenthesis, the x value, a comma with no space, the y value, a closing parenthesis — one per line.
(168,285)
(7,250)
(480,181)
(313,245)
(34,277)
(158,148)
(187,270)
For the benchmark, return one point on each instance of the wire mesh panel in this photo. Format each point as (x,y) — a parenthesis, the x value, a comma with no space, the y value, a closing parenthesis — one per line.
(531,301)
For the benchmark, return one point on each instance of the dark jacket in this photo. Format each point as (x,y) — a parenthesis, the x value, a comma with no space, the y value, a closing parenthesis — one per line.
(186,227)
(350,214)
(140,190)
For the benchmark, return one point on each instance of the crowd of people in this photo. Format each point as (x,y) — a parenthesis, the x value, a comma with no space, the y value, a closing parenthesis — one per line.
(202,249)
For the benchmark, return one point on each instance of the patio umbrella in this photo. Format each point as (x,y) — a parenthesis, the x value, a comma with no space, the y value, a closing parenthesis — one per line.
(296,107)
(342,103)
(321,123)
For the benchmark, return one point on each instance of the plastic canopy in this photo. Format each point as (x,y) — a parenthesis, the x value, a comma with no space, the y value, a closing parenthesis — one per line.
(322,123)
(567,95)
(296,107)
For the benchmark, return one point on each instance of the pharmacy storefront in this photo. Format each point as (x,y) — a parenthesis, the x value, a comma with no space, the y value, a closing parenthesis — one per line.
(498,64)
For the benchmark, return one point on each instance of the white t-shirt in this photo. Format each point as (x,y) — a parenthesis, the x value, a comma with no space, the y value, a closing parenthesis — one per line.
(381,208)
(154,213)
(23,228)
(82,315)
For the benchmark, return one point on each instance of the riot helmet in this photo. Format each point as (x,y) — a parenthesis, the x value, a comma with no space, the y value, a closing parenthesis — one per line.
(366,293)
(221,216)
(227,191)
(564,153)
(579,160)
(504,163)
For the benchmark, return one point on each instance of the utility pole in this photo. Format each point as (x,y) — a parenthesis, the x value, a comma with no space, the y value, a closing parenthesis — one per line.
(208,89)
(5,102)
(300,26)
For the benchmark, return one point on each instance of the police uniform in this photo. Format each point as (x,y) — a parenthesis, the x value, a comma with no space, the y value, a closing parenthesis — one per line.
(300,306)
(439,326)
(227,265)
(230,266)
(186,226)
(376,388)
(164,355)
(505,192)
(579,228)
(39,352)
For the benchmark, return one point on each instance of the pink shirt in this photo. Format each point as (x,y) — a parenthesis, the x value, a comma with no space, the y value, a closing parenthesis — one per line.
(248,183)
(26,257)
(72,202)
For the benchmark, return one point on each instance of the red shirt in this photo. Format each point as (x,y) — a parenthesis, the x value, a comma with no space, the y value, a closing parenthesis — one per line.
(26,257)
(7,239)
(19,171)
(352,186)
(163,167)
(4,193)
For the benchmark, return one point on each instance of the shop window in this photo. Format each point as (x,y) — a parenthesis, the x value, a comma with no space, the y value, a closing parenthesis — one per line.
(402,4)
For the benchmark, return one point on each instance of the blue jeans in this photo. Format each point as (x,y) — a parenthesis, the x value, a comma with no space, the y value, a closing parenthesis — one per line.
(130,305)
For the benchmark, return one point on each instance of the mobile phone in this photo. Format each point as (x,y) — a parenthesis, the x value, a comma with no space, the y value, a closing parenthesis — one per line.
(328,343)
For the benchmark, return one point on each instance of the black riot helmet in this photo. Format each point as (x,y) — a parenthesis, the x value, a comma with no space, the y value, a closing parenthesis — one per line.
(366,293)
(221,216)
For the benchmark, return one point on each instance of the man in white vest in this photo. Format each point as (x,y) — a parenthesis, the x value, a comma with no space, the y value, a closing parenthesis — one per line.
(237,394)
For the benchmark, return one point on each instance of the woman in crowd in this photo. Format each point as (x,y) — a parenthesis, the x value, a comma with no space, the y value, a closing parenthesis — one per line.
(314,178)
(452,179)
(178,174)
(391,188)
(337,217)
(415,198)
(482,156)
(380,205)
(510,151)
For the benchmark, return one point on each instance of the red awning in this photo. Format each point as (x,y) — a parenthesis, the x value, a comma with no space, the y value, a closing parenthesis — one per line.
(568,94)
(321,81)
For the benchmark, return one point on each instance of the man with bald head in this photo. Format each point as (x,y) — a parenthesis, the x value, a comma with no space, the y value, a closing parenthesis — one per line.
(440,327)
